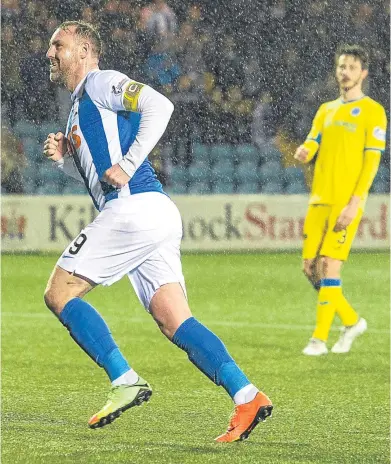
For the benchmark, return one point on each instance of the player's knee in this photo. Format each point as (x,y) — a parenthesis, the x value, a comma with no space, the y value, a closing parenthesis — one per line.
(63,287)
(166,326)
(169,308)
(53,300)
(331,268)
(50,300)
(324,266)
(166,330)
(56,297)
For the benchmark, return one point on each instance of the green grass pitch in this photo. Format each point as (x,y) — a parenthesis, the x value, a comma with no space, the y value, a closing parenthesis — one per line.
(333,409)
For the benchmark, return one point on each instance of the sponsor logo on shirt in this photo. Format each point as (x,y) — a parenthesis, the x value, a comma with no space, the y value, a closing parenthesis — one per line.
(379,133)
(74,138)
(349,126)
(117,89)
(355,111)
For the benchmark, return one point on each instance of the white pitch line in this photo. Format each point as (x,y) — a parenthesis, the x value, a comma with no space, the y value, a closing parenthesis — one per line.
(139,320)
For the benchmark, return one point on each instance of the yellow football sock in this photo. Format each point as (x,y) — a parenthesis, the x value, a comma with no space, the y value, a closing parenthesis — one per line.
(327,303)
(347,314)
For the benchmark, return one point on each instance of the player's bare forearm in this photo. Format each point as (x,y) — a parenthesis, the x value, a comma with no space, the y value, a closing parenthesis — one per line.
(355,201)
(116,176)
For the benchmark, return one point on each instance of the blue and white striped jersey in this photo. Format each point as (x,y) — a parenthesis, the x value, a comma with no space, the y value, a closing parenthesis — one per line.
(114,120)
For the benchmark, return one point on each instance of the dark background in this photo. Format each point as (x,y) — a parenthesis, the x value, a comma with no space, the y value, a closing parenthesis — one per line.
(239,72)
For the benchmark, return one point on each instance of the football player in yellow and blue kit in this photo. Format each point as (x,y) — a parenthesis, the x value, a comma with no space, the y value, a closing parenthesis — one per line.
(348,135)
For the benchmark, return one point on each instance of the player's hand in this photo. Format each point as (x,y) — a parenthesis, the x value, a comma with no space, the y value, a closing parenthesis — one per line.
(301,154)
(346,217)
(55,146)
(116,176)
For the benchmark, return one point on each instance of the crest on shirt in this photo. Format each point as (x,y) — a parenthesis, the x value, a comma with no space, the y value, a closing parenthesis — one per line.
(355,111)
(379,133)
(117,89)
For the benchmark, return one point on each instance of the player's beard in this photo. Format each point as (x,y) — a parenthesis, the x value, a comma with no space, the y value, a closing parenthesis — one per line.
(345,88)
(57,74)
(62,71)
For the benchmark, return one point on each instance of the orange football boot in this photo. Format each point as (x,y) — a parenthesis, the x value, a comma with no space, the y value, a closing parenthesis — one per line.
(246,417)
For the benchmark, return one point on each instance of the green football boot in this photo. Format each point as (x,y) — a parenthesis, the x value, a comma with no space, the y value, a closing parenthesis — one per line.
(119,400)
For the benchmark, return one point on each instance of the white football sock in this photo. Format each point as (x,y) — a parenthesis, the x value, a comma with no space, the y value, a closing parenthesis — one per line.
(129,378)
(245,394)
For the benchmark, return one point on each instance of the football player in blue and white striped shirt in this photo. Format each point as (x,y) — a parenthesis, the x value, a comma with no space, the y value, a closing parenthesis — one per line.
(113,125)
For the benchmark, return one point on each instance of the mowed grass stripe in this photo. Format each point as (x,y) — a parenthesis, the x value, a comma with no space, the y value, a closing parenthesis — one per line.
(329,410)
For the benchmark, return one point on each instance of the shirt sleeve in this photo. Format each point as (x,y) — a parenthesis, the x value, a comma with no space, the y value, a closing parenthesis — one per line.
(156,112)
(375,138)
(107,89)
(368,172)
(314,138)
(117,92)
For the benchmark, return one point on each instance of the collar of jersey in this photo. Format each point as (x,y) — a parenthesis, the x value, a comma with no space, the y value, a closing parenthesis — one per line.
(351,101)
(80,86)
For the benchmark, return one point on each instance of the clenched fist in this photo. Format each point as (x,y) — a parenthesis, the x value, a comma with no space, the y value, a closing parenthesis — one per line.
(55,146)
(301,154)
(116,176)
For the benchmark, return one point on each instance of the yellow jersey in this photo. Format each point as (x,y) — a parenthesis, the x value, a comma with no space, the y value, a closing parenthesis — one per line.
(341,133)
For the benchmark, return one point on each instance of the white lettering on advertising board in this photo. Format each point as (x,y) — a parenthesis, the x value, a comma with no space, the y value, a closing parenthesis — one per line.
(210,223)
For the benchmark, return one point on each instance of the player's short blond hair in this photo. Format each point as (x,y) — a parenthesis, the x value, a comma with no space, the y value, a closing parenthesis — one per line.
(85,30)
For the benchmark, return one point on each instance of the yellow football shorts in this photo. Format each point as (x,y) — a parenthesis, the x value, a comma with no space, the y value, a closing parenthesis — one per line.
(319,237)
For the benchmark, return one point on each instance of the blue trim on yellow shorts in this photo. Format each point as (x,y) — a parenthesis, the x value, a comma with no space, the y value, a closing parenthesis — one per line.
(330,282)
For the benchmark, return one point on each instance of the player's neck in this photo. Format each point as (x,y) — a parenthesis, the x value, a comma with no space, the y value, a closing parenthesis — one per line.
(352,94)
(79,76)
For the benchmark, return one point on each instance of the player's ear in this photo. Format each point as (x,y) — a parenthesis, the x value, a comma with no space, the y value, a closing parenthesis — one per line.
(364,74)
(84,49)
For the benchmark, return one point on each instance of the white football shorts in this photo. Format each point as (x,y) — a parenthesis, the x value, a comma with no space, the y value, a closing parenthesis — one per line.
(140,236)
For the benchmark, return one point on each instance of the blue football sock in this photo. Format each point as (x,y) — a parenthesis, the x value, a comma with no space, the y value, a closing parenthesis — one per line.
(206,351)
(91,333)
